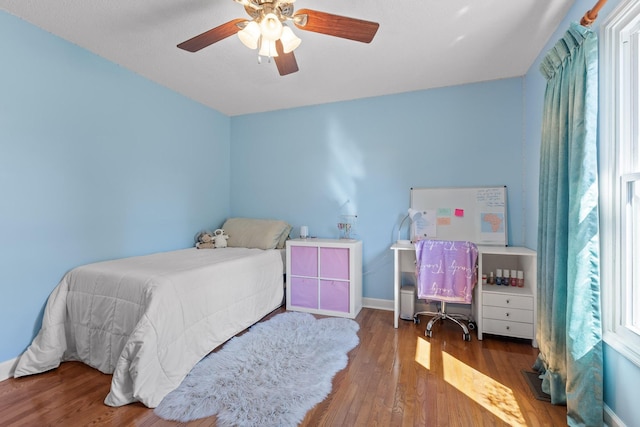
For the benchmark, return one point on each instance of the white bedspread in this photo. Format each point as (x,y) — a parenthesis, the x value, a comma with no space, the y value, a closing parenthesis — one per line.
(150,319)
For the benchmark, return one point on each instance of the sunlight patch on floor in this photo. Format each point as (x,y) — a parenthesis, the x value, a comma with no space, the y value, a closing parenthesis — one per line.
(423,352)
(484,390)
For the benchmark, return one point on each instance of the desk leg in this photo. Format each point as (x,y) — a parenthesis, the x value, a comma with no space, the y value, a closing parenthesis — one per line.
(396,287)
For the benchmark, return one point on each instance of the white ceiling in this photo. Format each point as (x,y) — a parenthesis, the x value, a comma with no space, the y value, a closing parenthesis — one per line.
(421,44)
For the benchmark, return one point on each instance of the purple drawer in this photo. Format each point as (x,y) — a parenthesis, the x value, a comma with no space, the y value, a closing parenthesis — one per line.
(304,261)
(334,263)
(334,295)
(304,292)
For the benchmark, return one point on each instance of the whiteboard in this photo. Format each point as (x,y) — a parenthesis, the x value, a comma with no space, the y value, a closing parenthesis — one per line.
(476,214)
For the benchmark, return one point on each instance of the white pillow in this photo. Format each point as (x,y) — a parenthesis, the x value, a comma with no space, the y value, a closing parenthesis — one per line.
(256,233)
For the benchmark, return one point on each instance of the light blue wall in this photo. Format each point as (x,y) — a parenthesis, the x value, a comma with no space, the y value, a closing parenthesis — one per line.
(95,163)
(311,165)
(621,377)
(98,163)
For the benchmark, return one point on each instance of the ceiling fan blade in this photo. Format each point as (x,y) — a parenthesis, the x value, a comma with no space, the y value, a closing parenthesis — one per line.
(212,36)
(286,62)
(338,26)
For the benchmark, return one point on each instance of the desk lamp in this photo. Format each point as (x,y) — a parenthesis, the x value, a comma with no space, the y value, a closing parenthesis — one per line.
(412,216)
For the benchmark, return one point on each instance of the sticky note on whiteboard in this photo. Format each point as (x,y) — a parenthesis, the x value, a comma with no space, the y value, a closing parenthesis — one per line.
(444,220)
(459,212)
(444,212)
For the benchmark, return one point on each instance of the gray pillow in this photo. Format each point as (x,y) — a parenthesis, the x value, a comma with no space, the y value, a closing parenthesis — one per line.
(256,233)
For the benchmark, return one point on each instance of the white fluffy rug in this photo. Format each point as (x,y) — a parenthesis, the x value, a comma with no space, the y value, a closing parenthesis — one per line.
(270,376)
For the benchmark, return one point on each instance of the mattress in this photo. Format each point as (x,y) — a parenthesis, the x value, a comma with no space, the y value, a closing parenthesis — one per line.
(283,255)
(148,320)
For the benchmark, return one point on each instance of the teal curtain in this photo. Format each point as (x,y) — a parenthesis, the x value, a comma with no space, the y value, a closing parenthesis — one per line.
(569,331)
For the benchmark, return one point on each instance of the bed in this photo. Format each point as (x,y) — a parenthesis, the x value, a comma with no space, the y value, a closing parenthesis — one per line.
(149,319)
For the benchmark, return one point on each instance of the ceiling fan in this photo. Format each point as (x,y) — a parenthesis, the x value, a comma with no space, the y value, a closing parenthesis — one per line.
(268,32)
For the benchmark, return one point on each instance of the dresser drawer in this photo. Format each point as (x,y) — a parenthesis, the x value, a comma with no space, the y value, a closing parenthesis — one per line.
(507,313)
(508,328)
(503,300)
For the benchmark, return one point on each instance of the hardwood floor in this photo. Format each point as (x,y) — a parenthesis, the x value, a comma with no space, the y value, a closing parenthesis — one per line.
(395,377)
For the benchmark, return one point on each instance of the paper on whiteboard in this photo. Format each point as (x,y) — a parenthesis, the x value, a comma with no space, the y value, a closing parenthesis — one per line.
(424,227)
(491,221)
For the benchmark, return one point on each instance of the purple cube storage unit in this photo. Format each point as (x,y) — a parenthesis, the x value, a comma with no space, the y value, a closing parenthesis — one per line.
(324,276)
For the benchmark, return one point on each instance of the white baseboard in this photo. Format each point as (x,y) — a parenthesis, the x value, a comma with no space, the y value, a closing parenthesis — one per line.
(379,304)
(611,419)
(8,368)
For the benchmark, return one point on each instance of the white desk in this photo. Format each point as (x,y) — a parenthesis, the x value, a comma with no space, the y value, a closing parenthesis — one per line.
(404,258)
(495,308)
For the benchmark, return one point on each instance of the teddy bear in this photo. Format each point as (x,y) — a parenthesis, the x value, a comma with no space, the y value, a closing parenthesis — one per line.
(219,238)
(204,240)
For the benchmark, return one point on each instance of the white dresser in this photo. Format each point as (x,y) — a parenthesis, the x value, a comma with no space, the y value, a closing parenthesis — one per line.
(506,310)
(324,276)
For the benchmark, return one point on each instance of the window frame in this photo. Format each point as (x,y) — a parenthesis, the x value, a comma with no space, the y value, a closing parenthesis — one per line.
(618,149)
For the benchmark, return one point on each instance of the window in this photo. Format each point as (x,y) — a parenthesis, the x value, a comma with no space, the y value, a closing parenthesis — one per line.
(620,178)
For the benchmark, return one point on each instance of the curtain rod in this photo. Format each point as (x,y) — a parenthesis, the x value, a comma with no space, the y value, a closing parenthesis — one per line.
(591,15)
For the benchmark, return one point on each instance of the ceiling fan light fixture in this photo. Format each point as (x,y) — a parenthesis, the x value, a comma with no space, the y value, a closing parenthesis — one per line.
(271,27)
(301,19)
(289,40)
(268,48)
(250,35)
(268,32)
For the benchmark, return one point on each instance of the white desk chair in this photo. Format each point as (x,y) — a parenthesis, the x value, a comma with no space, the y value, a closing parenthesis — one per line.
(446,271)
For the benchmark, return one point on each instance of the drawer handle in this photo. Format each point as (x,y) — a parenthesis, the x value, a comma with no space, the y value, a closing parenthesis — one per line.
(508,327)
(506,314)
(508,301)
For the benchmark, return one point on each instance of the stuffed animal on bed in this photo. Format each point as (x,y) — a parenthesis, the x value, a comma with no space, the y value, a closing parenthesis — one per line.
(219,238)
(204,240)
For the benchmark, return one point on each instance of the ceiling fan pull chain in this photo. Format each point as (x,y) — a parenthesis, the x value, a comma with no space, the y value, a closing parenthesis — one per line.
(269,52)
(262,51)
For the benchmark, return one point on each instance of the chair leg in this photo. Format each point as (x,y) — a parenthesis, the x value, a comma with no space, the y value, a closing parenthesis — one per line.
(441,315)
(416,316)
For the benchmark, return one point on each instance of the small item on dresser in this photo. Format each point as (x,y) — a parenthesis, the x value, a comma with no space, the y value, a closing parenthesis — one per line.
(491,280)
(484,279)
(505,278)
(498,276)
(345,230)
(304,232)
(514,278)
(520,279)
